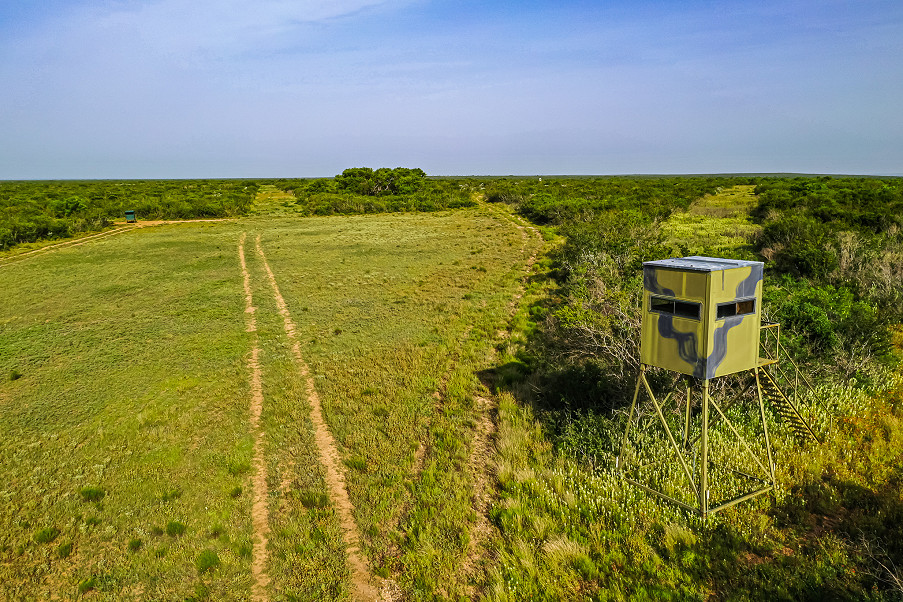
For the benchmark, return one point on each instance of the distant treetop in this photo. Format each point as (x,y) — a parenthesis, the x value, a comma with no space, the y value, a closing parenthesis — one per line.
(381,182)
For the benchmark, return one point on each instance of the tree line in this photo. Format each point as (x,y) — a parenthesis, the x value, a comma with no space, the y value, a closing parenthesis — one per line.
(36,210)
(361,190)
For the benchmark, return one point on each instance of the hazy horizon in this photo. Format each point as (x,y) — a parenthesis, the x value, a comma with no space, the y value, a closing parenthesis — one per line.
(479,176)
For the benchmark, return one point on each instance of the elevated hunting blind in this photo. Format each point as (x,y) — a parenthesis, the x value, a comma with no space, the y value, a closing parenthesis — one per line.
(702,318)
(701,315)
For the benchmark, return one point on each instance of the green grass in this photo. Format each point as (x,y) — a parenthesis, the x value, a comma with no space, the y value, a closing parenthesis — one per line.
(569,528)
(132,355)
(92,494)
(272,201)
(128,420)
(126,456)
(46,535)
(207,561)
(411,314)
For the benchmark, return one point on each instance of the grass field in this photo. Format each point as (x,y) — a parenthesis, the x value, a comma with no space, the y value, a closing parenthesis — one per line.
(277,408)
(128,453)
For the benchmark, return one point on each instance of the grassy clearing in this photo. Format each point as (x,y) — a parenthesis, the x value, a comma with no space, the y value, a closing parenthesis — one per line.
(123,431)
(30,248)
(272,201)
(716,225)
(126,454)
(399,315)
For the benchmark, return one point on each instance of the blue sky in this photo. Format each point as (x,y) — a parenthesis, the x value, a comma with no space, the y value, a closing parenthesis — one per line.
(232,88)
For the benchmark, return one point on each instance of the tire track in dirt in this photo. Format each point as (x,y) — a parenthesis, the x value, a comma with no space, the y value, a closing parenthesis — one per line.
(362,579)
(259,508)
(481,466)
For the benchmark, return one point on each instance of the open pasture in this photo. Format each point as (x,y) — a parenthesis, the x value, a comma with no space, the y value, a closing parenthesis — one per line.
(383,407)
(130,442)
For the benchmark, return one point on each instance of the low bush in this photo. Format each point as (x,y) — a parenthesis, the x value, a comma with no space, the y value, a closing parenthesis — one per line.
(92,494)
(207,561)
(46,535)
(175,528)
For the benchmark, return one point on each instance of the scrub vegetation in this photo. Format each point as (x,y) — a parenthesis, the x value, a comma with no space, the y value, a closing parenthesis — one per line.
(365,190)
(570,529)
(33,211)
(473,366)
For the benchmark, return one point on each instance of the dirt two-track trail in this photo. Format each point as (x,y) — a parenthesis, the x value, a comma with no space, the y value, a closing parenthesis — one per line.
(364,586)
(259,511)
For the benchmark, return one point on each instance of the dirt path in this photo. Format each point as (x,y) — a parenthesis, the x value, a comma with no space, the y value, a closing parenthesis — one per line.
(481,465)
(259,509)
(363,581)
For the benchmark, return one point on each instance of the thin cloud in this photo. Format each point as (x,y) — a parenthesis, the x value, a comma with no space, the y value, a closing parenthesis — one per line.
(223,27)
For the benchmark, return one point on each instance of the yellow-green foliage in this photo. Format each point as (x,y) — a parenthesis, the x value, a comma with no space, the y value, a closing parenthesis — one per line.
(715,225)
